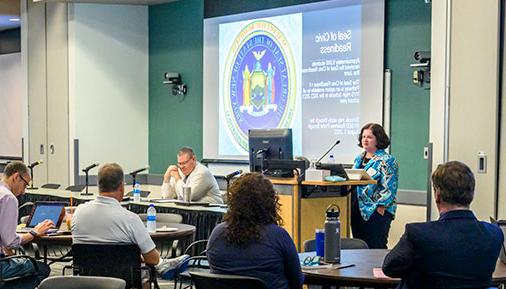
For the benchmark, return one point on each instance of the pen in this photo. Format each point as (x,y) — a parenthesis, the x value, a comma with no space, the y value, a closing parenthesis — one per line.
(344,266)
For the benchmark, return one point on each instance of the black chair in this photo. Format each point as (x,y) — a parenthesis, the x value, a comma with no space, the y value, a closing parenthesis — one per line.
(206,280)
(24,211)
(6,281)
(51,186)
(119,261)
(82,282)
(197,262)
(346,244)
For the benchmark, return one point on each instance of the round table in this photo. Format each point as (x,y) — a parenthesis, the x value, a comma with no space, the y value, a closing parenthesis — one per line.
(361,274)
(183,232)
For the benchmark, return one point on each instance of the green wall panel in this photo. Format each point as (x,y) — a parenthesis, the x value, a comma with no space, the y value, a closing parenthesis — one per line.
(407,29)
(175,39)
(175,45)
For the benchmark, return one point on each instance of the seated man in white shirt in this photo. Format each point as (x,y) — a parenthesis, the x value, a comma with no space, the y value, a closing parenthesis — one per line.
(190,173)
(104,220)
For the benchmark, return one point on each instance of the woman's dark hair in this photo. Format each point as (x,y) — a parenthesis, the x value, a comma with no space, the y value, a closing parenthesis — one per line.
(377,130)
(252,204)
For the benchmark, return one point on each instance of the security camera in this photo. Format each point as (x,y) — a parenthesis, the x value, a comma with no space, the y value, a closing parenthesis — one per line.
(171,78)
(422,56)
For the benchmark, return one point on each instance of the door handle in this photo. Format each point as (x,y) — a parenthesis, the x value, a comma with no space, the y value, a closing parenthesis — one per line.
(51,149)
(41,149)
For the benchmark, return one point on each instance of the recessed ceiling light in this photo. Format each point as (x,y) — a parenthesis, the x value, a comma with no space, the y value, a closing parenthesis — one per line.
(14,19)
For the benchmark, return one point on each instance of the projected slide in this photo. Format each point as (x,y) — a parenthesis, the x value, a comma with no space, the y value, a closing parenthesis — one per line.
(302,69)
(290,71)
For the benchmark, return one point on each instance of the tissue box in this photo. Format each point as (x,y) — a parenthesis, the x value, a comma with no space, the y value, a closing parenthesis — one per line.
(316,175)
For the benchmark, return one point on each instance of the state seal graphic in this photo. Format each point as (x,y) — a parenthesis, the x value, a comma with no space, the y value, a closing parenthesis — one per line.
(259,89)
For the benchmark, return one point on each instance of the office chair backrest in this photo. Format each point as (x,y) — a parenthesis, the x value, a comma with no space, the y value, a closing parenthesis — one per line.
(346,243)
(164,218)
(82,282)
(119,261)
(206,280)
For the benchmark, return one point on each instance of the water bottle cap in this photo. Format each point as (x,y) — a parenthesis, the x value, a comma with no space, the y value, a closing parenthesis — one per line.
(151,205)
(331,212)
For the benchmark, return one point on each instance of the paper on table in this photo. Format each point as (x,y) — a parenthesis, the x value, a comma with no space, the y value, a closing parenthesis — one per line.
(378,273)
(166,229)
(317,267)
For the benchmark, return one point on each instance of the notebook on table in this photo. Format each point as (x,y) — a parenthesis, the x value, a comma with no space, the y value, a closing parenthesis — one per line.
(54,211)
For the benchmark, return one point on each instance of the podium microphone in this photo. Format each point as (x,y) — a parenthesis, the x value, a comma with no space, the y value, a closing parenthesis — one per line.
(86,169)
(31,166)
(133,173)
(233,174)
(337,142)
(34,164)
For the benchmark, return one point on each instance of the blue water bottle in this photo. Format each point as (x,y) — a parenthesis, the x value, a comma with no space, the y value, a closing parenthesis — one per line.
(151,222)
(320,242)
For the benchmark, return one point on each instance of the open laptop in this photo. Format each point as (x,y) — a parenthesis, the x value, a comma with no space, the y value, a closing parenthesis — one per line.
(54,211)
(502,226)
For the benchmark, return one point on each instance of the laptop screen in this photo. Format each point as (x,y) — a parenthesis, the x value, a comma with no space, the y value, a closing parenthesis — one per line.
(47,211)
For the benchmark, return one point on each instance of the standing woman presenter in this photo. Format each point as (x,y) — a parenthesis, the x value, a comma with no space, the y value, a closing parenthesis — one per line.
(373,206)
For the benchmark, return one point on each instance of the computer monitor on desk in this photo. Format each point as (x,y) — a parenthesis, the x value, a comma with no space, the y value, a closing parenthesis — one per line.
(270,144)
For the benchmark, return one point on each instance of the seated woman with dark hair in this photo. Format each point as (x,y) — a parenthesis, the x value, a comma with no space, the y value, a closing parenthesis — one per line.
(250,242)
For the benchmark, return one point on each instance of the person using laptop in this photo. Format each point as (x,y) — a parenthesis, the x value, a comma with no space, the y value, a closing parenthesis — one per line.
(16,179)
(190,173)
(456,251)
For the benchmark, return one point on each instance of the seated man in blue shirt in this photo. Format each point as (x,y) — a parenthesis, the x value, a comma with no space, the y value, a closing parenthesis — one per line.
(456,251)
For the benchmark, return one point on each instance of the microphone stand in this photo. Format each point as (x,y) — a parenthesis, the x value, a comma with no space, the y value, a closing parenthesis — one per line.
(133,180)
(86,193)
(31,176)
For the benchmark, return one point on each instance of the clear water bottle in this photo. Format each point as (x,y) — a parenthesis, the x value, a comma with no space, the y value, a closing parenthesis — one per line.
(151,222)
(331,159)
(332,247)
(137,192)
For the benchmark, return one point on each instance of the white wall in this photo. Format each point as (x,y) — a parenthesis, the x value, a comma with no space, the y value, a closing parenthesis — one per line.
(405,214)
(108,83)
(11,105)
(464,91)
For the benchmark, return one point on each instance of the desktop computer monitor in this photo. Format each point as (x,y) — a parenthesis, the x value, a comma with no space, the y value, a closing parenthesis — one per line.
(270,144)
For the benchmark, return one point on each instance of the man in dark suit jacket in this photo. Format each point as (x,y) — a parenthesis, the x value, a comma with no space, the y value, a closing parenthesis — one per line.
(456,251)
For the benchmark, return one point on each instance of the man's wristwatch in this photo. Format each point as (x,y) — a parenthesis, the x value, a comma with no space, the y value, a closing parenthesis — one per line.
(33,233)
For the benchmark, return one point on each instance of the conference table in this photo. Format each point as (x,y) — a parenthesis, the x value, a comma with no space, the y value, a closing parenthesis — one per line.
(164,237)
(361,274)
(204,218)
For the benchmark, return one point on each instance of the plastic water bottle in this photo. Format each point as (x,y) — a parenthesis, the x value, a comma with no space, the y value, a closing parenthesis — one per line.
(331,159)
(151,223)
(137,192)
(332,247)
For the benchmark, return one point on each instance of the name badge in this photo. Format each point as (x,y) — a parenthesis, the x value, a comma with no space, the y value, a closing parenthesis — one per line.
(371,172)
